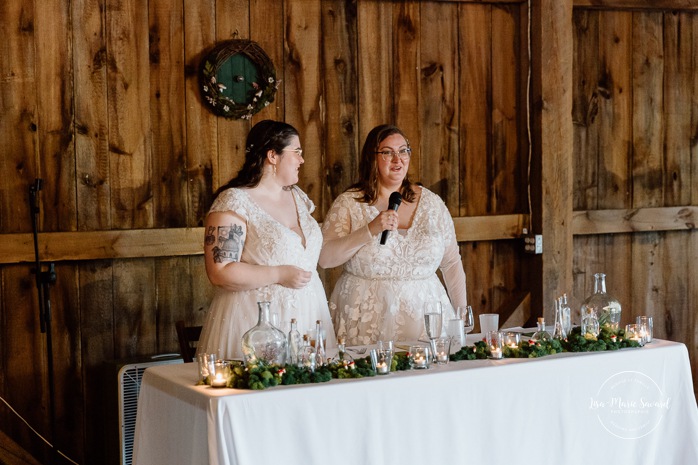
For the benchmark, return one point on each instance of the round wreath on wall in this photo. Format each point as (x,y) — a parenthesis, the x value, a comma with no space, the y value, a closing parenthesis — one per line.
(237,79)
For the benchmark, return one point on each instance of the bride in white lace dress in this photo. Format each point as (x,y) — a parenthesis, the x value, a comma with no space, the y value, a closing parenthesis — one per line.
(262,244)
(384,288)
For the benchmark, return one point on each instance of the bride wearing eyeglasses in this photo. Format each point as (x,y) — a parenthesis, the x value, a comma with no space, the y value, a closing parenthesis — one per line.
(389,278)
(261,243)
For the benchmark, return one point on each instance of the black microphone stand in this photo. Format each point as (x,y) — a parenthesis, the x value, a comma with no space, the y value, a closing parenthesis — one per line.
(44,279)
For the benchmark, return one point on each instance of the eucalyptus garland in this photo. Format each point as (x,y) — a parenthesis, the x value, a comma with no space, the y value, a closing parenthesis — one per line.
(263,91)
(266,376)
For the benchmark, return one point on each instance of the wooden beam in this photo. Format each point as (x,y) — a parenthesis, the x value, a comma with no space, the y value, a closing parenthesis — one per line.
(551,165)
(638,4)
(634,220)
(94,245)
(489,228)
(139,243)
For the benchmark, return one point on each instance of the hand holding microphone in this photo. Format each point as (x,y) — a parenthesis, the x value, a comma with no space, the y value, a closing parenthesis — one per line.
(393,203)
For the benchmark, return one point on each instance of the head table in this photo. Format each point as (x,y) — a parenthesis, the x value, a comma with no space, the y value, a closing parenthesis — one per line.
(632,406)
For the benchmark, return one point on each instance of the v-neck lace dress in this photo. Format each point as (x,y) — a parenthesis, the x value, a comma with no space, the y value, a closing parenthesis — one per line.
(268,242)
(384,289)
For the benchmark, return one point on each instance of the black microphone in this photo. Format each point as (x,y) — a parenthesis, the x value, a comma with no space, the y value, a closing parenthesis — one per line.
(393,202)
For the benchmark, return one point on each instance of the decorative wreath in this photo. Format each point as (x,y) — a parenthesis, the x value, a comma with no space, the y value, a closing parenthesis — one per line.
(259,96)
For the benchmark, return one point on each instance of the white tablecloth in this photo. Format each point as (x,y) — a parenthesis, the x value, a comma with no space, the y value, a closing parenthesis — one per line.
(634,406)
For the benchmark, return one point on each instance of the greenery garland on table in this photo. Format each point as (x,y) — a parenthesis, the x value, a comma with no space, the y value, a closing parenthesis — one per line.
(266,376)
(262,91)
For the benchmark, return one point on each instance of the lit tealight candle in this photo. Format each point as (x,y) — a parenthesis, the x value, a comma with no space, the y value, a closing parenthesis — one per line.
(513,345)
(442,357)
(496,352)
(382,368)
(420,362)
(218,381)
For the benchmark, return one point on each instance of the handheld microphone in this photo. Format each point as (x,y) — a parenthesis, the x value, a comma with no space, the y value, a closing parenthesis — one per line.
(393,203)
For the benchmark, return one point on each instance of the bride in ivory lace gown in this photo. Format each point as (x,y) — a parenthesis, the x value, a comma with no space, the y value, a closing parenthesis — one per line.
(384,288)
(263,244)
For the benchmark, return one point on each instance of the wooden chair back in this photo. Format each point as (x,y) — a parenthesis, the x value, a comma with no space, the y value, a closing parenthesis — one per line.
(188,336)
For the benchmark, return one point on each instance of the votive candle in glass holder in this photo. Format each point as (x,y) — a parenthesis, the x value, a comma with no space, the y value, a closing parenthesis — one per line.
(632,333)
(380,361)
(219,377)
(645,324)
(442,346)
(495,342)
(207,367)
(512,339)
(418,357)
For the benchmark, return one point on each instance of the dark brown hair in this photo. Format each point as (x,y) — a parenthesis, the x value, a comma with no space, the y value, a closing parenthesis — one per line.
(264,136)
(368,168)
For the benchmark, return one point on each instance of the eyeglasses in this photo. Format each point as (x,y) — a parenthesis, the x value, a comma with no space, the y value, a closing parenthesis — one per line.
(388,155)
(299,152)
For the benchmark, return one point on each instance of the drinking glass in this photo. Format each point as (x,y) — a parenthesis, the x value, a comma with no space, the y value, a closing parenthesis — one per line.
(466,314)
(489,322)
(632,333)
(433,320)
(454,330)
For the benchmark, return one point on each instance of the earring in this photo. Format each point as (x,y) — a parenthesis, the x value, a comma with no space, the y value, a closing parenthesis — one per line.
(273,170)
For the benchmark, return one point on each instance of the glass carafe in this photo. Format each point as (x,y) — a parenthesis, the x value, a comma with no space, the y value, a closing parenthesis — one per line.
(541,335)
(603,306)
(264,344)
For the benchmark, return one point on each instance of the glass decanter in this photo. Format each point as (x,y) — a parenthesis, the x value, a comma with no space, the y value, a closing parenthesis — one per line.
(559,331)
(604,306)
(541,335)
(294,343)
(319,344)
(264,344)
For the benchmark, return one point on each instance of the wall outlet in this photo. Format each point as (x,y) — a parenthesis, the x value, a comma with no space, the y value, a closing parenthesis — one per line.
(533,243)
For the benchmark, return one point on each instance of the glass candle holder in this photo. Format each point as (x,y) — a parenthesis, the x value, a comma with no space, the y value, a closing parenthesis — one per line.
(632,333)
(219,375)
(495,343)
(381,361)
(512,339)
(418,357)
(442,350)
(646,327)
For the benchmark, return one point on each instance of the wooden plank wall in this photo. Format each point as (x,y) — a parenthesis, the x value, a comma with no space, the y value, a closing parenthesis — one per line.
(635,115)
(100,99)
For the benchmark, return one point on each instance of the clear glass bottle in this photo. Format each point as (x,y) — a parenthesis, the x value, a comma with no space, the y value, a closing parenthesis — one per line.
(603,305)
(264,344)
(319,344)
(559,331)
(306,357)
(541,335)
(294,343)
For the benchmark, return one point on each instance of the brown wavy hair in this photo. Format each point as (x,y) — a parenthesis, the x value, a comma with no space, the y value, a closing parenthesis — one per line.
(368,166)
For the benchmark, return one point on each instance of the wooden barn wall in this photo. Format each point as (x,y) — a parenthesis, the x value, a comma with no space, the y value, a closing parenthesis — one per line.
(100,99)
(635,117)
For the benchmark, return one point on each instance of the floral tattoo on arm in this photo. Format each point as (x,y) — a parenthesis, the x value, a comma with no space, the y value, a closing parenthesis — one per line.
(229,243)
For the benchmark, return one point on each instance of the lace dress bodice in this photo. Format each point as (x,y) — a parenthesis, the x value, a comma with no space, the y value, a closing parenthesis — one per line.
(268,243)
(383,289)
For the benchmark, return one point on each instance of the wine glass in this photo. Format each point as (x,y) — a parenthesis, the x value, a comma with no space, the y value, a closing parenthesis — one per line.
(466,314)
(433,320)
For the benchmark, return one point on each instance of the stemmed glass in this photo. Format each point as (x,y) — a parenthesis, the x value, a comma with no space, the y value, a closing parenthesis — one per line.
(466,314)
(433,319)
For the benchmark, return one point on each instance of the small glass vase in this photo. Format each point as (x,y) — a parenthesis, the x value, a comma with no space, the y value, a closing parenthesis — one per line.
(601,304)
(264,344)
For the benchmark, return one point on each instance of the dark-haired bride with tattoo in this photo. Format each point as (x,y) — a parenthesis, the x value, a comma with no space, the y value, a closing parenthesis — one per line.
(262,244)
